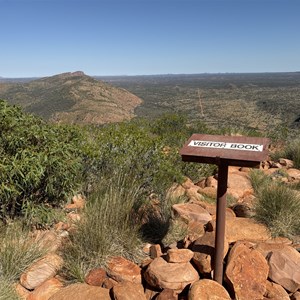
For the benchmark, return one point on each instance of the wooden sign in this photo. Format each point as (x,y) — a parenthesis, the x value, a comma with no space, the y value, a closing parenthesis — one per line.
(224,151)
(236,150)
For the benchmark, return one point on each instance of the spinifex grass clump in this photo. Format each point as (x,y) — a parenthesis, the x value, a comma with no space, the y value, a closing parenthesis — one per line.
(7,290)
(17,252)
(108,227)
(277,206)
(292,152)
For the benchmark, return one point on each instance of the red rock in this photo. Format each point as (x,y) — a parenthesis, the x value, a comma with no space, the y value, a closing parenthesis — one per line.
(21,291)
(295,296)
(47,240)
(285,268)
(176,191)
(41,270)
(293,173)
(46,290)
(80,291)
(193,193)
(167,294)
(238,184)
(209,192)
(211,182)
(188,183)
(246,272)
(204,251)
(179,255)
(239,229)
(174,276)
(121,269)
(275,292)
(286,163)
(96,277)
(155,251)
(109,283)
(192,212)
(206,289)
(128,291)
(265,248)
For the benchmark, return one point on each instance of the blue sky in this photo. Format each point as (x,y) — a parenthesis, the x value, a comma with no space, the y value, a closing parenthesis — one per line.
(139,37)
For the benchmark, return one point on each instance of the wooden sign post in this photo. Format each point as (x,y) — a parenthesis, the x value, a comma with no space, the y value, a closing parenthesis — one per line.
(224,151)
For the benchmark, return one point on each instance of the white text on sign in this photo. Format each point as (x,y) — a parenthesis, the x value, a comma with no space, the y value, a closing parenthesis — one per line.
(226,145)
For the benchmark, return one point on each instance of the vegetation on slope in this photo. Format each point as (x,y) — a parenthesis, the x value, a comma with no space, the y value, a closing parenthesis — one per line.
(72,98)
(118,167)
(277,205)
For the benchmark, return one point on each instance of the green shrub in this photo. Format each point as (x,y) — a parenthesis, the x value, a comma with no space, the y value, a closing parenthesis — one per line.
(109,227)
(39,162)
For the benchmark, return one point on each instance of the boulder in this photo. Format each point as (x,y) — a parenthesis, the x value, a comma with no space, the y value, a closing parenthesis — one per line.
(293,173)
(167,294)
(206,289)
(21,291)
(246,272)
(286,163)
(79,291)
(275,292)
(174,276)
(204,252)
(239,229)
(96,277)
(46,290)
(41,270)
(238,184)
(121,269)
(285,268)
(179,255)
(265,248)
(176,191)
(193,193)
(295,296)
(155,251)
(47,240)
(192,212)
(128,291)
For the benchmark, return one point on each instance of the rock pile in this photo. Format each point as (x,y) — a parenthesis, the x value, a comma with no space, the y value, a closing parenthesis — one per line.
(256,265)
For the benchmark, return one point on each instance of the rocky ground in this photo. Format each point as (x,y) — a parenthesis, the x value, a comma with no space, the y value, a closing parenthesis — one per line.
(256,266)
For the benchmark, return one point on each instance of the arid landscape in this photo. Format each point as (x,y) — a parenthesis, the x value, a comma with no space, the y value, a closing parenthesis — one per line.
(262,101)
(111,210)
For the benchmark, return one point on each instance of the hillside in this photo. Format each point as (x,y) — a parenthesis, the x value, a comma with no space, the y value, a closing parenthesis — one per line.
(72,98)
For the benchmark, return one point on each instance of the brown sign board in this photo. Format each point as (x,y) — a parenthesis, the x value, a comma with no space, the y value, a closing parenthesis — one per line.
(224,151)
(235,150)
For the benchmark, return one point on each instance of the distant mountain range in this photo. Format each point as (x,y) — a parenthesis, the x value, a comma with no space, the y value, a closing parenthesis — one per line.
(71,98)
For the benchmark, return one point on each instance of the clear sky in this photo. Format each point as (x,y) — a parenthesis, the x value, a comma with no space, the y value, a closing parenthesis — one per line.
(139,37)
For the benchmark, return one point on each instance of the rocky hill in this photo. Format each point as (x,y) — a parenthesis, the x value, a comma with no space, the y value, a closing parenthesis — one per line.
(72,98)
(256,266)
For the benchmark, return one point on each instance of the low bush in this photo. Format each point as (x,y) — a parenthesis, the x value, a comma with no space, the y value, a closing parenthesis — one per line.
(40,162)
(277,206)
(108,228)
